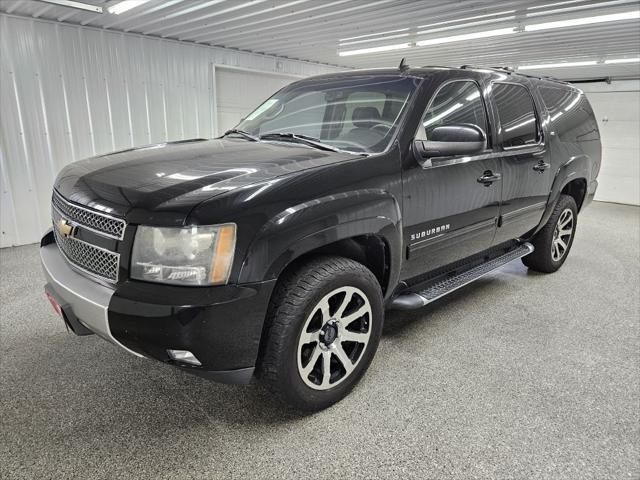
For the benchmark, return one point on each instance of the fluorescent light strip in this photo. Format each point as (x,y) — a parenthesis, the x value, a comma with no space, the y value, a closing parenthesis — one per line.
(465,25)
(466,36)
(572,104)
(575,8)
(384,48)
(443,114)
(623,60)
(373,34)
(583,21)
(521,124)
(475,94)
(465,19)
(72,4)
(367,40)
(125,6)
(558,65)
(554,4)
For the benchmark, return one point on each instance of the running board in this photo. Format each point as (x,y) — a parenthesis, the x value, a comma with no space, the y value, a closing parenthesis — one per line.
(413,300)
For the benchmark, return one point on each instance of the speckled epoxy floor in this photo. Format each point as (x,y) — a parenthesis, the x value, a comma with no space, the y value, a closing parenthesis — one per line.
(519,375)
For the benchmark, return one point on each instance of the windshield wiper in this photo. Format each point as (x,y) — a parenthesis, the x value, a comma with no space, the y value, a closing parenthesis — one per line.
(242,133)
(296,137)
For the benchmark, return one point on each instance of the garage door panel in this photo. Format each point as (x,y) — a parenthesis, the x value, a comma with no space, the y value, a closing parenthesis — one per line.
(620,134)
(239,92)
(620,172)
(616,105)
(614,188)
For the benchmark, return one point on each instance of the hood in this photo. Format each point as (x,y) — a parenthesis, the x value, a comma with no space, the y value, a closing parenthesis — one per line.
(168,180)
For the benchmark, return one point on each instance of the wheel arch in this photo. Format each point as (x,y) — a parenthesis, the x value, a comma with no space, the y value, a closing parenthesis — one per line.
(571,179)
(364,226)
(576,188)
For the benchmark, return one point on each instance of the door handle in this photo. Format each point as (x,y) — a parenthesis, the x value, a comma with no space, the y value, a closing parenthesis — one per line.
(541,167)
(488,178)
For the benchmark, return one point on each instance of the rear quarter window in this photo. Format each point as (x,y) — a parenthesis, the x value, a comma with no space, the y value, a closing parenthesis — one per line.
(571,115)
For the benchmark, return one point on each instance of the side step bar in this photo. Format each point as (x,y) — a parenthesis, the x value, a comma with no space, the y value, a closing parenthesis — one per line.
(413,300)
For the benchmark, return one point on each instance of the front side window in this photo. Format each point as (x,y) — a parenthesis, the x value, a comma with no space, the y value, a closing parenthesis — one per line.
(357,114)
(518,121)
(455,103)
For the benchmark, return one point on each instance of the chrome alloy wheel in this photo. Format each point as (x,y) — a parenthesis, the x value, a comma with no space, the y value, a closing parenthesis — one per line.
(562,235)
(334,338)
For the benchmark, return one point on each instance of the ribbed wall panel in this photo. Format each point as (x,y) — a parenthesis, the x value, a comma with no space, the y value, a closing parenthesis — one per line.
(69,92)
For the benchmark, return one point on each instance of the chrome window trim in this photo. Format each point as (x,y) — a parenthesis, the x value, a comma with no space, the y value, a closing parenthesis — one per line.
(484,104)
(539,129)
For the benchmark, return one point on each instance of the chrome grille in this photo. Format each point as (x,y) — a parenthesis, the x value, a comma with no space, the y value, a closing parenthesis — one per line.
(91,259)
(97,221)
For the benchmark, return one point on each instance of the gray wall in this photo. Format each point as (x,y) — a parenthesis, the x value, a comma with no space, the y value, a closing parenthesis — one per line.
(69,92)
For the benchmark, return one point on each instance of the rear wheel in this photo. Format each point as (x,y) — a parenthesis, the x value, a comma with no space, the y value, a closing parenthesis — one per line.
(323,328)
(553,243)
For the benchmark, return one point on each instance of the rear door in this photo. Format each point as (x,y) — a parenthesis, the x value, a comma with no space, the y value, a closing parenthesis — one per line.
(448,214)
(525,165)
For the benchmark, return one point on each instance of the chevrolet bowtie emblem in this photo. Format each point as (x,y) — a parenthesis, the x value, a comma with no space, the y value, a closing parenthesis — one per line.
(64,228)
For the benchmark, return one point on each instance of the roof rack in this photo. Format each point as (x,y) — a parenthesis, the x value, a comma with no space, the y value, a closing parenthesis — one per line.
(511,71)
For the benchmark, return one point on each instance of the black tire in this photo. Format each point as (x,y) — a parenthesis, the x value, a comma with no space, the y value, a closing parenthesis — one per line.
(296,297)
(542,259)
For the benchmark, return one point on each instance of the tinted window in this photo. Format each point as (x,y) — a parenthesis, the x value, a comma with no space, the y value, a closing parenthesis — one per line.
(455,103)
(571,116)
(356,113)
(518,121)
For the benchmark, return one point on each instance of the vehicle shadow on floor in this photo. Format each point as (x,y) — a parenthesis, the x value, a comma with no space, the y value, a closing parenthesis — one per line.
(81,384)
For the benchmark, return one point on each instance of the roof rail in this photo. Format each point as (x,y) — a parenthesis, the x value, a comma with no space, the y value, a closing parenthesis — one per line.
(511,71)
(500,69)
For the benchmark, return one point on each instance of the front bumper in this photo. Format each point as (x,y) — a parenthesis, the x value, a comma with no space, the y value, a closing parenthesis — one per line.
(221,326)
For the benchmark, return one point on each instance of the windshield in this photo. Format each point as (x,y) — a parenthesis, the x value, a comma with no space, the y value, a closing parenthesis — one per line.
(358,114)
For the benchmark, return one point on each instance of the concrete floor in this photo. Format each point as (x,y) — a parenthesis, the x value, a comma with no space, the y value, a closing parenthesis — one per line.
(519,375)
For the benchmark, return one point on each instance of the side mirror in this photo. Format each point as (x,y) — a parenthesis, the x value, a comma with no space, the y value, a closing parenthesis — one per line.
(449,140)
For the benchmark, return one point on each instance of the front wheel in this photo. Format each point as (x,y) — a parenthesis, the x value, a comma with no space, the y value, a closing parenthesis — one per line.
(323,328)
(553,243)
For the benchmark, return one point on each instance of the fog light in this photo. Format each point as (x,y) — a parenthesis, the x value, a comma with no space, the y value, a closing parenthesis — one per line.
(184,356)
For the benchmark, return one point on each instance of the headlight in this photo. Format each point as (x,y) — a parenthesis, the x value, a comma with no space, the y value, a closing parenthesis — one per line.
(198,255)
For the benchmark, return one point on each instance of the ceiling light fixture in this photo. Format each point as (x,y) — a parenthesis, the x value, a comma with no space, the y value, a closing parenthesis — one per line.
(614,17)
(505,12)
(125,6)
(384,48)
(466,36)
(78,5)
(537,7)
(466,25)
(367,40)
(585,63)
(373,34)
(623,60)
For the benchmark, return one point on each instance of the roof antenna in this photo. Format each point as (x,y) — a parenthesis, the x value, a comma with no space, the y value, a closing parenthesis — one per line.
(403,65)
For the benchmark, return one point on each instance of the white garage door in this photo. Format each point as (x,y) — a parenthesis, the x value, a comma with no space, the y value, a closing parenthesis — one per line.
(617,108)
(238,92)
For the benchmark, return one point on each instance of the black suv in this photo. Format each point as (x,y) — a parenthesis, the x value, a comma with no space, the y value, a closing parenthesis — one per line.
(273,251)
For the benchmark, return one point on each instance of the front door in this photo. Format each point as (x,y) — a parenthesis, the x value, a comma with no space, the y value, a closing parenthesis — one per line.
(449,211)
(526,172)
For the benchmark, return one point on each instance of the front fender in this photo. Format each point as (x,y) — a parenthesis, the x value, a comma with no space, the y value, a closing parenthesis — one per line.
(319,222)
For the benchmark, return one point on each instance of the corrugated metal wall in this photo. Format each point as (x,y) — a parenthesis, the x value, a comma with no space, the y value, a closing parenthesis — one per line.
(70,92)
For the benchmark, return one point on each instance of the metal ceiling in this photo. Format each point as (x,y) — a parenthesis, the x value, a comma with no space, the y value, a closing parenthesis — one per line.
(313,30)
